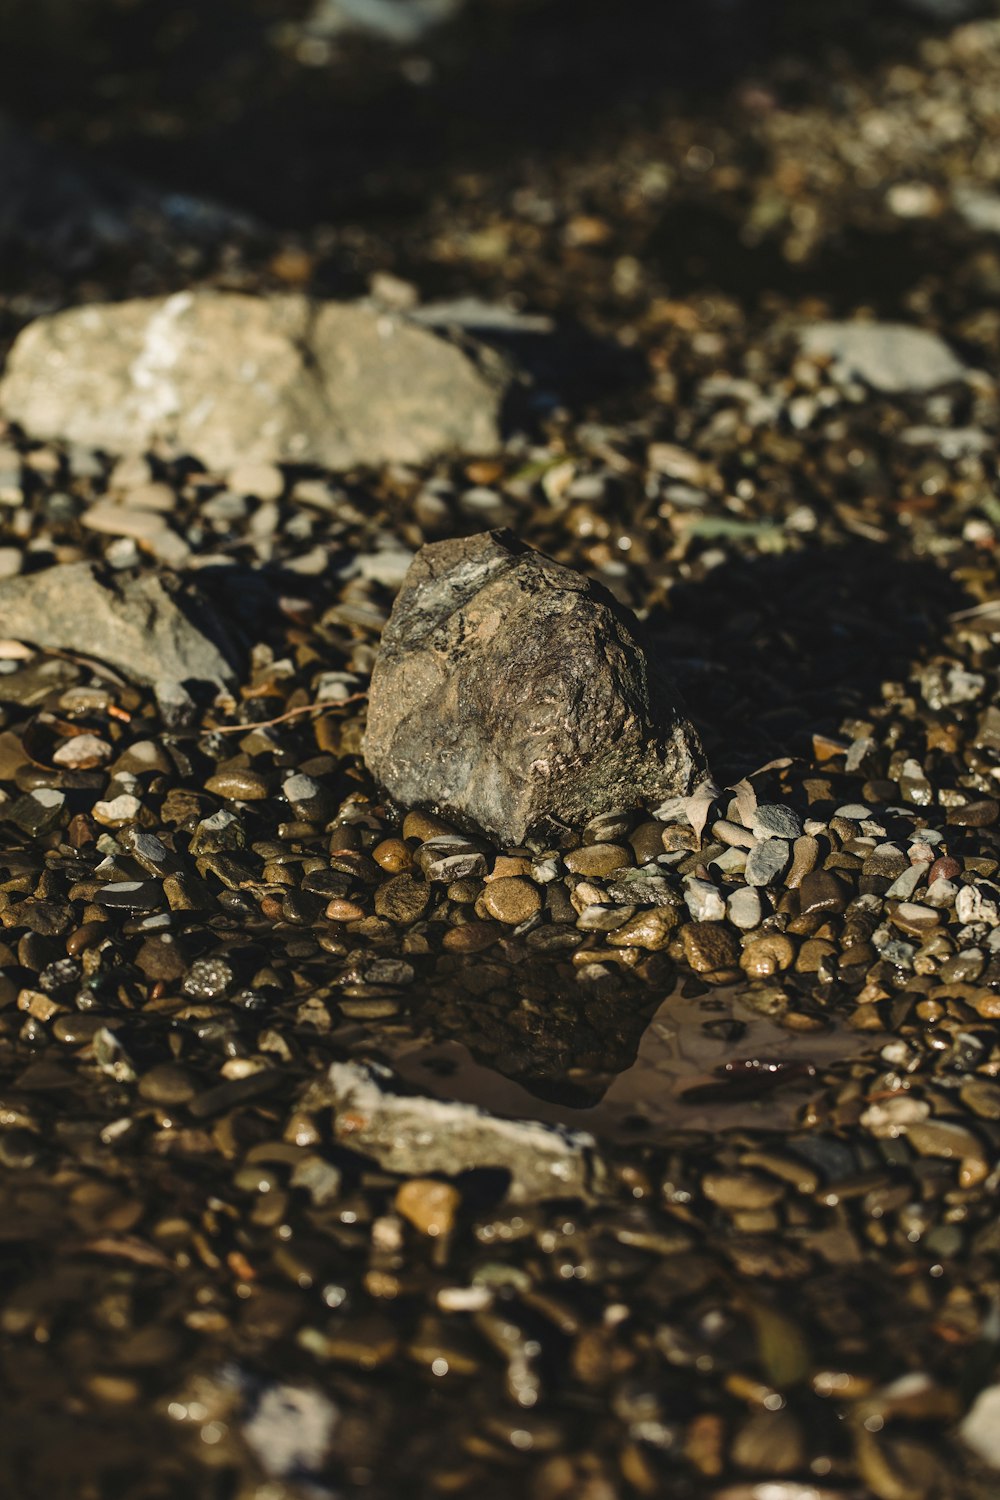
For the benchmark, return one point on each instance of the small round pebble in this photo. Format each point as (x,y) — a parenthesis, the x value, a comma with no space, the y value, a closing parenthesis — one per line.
(512,900)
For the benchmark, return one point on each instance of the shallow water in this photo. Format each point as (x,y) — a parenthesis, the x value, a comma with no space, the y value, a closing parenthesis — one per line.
(684,1076)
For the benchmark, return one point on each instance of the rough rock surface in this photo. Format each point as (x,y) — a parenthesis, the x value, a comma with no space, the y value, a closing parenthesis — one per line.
(511,693)
(151,627)
(232,379)
(414,1135)
(890,357)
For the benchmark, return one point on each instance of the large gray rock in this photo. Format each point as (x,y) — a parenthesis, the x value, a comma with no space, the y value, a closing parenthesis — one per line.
(413,1135)
(232,379)
(890,357)
(511,694)
(150,627)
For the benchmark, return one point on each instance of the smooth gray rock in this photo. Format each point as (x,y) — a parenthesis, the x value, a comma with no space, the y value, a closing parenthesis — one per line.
(232,379)
(511,694)
(890,357)
(150,627)
(414,1134)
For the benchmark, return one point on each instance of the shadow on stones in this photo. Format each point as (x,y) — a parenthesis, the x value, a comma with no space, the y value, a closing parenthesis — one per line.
(769,651)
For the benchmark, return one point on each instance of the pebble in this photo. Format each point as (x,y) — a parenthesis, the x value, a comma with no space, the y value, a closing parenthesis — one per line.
(261,480)
(393,855)
(904,885)
(118,811)
(429,1205)
(598,860)
(805,857)
(512,900)
(82,752)
(744,909)
(240,784)
(914,919)
(767,861)
(733,834)
(424,826)
(169,1084)
(740,1191)
(451,857)
(709,946)
(770,820)
(402,900)
(651,929)
(471,937)
(704,901)
(822,892)
(771,953)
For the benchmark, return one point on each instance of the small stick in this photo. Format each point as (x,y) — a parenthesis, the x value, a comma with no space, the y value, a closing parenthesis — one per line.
(304,708)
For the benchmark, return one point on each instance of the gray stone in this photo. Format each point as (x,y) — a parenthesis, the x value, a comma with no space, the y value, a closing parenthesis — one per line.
(704,901)
(512,694)
(890,357)
(772,821)
(743,908)
(414,1135)
(768,861)
(153,629)
(233,379)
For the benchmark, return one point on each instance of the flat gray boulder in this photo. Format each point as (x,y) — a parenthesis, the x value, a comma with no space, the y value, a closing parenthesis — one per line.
(150,627)
(511,694)
(890,357)
(229,378)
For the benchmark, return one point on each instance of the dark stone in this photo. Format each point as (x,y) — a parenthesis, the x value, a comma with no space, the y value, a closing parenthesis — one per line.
(512,694)
(822,892)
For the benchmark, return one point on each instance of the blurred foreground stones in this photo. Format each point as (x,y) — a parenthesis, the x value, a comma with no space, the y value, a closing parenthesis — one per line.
(513,694)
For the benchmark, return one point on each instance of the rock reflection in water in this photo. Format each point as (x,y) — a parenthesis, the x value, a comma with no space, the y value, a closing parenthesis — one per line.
(610,1054)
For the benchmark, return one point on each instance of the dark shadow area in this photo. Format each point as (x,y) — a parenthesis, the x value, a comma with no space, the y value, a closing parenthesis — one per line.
(697,245)
(200,96)
(769,651)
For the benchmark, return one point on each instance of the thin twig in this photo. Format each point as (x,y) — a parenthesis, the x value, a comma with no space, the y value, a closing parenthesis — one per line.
(291,713)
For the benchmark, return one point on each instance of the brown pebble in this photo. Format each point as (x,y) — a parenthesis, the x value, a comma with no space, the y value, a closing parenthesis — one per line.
(652,929)
(512,900)
(342,910)
(168,1084)
(85,937)
(403,899)
(822,892)
(944,868)
(471,937)
(507,865)
(429,1205)
(709,946)
(805,857)
(813,953)
(742,1190)
(239,785)
(424,826)
(598,859)
(393,855)
(982,814)
(771,953)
